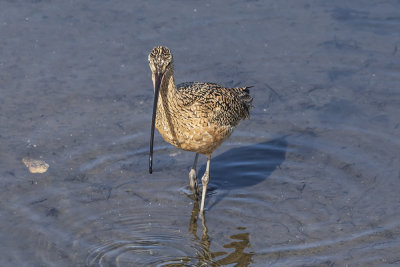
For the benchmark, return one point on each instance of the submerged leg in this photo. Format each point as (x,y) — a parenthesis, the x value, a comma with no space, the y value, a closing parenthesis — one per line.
(193,176)
(204,180)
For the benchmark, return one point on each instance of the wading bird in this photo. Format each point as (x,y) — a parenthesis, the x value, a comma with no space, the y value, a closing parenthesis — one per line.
(193,116)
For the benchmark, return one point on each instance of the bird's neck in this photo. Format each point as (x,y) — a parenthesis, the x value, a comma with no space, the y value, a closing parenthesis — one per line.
(168,87)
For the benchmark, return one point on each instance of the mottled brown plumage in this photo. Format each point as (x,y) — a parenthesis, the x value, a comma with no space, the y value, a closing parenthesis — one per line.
(194,116)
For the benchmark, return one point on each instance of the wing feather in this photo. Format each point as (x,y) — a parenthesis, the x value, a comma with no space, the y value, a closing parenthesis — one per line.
(225,106)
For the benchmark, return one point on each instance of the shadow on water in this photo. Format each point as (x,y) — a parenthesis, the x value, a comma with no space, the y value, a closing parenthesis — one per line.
(245,166)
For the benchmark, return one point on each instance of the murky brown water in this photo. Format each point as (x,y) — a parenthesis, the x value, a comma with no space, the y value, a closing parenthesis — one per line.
(312,179)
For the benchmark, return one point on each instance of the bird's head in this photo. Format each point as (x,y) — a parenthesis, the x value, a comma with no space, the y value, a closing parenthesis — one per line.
(160,61)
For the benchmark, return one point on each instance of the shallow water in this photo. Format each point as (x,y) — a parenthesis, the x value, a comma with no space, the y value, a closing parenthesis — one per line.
(312,179)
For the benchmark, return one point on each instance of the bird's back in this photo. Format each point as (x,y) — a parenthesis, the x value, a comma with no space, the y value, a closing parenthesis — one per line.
(225,106)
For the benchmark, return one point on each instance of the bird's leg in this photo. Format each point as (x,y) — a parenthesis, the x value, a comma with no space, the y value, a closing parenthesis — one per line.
(204,181)
(193,176)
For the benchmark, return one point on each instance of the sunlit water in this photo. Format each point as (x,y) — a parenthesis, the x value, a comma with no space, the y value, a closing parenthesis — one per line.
(311,179)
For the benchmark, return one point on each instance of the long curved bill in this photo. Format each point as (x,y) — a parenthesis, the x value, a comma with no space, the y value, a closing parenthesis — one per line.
(157,83)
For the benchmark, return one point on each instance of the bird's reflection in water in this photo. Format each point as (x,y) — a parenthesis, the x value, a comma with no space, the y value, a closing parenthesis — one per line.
(206,257)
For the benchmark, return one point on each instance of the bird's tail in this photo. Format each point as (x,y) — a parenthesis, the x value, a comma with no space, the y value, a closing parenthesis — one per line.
(246,99)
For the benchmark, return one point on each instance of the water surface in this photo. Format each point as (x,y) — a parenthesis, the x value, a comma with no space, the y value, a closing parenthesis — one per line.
(312,179)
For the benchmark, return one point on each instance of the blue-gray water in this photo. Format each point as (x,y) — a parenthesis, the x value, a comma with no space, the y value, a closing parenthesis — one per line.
(312,179)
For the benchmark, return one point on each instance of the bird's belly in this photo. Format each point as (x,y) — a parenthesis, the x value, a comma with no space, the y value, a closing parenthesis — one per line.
(200,139)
